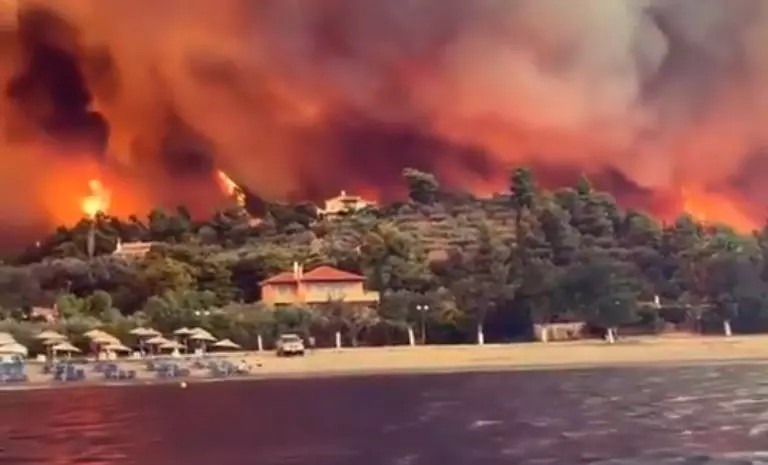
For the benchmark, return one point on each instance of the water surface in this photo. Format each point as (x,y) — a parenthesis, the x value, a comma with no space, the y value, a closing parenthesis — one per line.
(701,415)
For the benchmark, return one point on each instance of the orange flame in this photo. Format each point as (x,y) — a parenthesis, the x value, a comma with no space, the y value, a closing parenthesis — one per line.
(708,207)
(227,184)
(230,188)
(98,201)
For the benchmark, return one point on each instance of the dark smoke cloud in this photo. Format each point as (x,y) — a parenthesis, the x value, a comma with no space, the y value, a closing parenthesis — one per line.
(49,90)
(303,98)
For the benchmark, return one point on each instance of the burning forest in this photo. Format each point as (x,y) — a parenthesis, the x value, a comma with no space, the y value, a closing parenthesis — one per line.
(129,105)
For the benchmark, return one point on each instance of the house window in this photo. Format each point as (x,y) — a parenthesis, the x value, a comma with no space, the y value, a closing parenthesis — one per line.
(331,288)
(284,289)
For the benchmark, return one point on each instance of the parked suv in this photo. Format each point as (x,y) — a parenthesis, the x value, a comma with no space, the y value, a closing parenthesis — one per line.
(290,344)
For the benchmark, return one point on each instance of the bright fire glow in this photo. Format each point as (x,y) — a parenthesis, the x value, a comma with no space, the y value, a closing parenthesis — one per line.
(230,187)
(97,201)
(710,207)
(226,183)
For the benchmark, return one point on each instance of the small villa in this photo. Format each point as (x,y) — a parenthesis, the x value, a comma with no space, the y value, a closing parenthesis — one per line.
(344,203)
(318,286)
(133,250)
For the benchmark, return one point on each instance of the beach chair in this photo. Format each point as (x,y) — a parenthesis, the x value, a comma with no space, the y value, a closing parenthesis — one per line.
(110,371)
(59,373)
(14,372)
(19,378)
(167,371)
(198,364)
(65,372)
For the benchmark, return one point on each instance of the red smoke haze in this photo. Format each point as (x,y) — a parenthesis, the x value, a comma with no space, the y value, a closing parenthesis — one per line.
(661,102)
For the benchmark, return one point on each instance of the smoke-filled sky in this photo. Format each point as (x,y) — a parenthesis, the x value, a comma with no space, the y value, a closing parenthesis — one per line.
(300,98)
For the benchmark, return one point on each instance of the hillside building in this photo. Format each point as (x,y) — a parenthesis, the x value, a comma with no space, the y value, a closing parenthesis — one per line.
(319,286)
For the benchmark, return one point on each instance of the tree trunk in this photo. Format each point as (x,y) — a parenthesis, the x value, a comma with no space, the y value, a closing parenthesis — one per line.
(411,337)
(544,336)
(338,339)
(609,336)
(480,334)
(260,342)
(727,328)
(91,239)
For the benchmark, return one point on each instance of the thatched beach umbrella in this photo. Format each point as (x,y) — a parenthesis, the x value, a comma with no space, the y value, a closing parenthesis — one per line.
(14,348)
(6,338)
(116,347)
(202,337)
(94,333)
(65,347)
(156,341)
(183,331)
(170,345)
(49,339)
(227,344)
(105,340)
(49,335)
(199,334)
(198,330)
(99,336)
(182,335)
(100,339)
(138,332)
(144,332)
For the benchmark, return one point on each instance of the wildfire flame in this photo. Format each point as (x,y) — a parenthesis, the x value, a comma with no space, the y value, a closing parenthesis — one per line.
(230,187)
(227,184)
(98,200)
(709,207)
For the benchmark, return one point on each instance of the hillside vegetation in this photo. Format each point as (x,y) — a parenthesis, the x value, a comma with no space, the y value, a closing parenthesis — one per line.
(448,260)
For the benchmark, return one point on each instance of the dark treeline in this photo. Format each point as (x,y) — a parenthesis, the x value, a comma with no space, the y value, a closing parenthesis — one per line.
(449,259)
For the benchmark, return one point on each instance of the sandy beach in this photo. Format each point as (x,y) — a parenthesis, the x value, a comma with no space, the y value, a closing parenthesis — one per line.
(492,357)
(678,350)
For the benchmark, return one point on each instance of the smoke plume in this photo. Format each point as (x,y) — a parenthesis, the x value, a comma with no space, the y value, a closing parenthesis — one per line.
(301,98)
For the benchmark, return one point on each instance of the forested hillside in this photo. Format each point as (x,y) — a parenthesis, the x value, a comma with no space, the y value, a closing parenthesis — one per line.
(458,261)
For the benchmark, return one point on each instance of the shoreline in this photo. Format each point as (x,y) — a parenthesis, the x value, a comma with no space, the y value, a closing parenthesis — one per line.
(320,375)
(659,352)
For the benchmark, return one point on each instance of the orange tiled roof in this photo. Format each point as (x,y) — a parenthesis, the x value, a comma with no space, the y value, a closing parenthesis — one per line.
(319,274)
(286,277)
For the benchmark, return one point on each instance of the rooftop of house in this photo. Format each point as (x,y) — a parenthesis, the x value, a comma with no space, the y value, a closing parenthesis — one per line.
(44,313)
(134,246)
(345,201)
(319,274)
(344,196)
